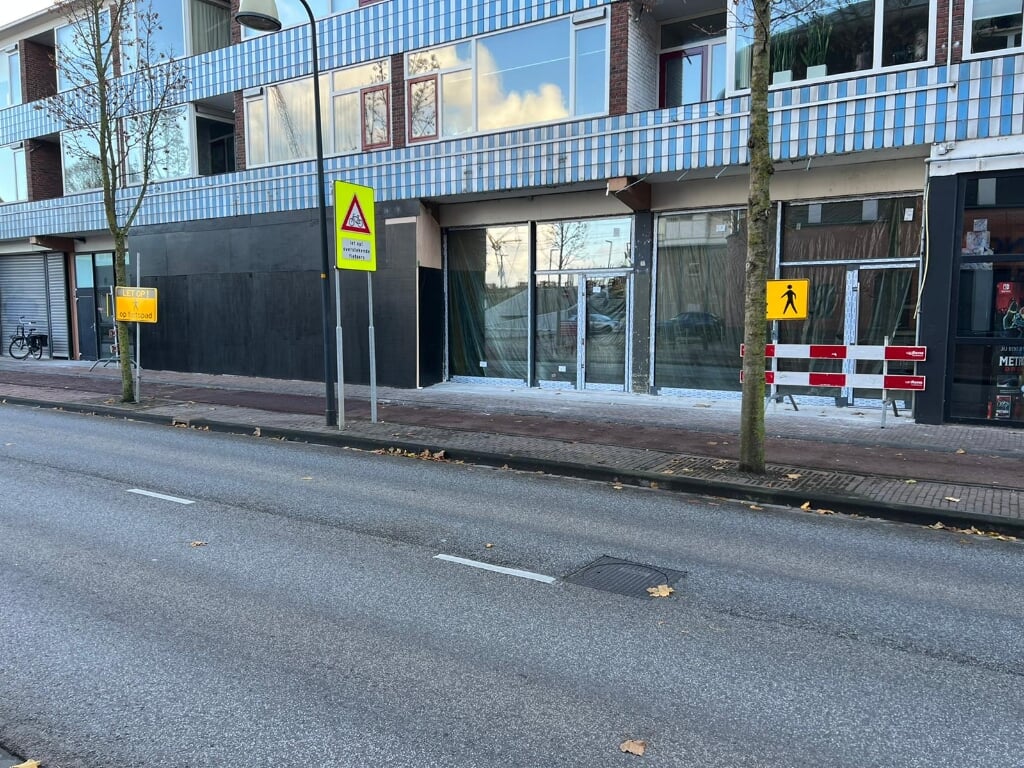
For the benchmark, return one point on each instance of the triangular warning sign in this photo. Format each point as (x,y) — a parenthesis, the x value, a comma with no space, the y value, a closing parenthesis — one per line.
(355,221)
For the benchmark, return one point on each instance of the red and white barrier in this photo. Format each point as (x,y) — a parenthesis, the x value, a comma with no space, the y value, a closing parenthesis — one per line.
(843,352)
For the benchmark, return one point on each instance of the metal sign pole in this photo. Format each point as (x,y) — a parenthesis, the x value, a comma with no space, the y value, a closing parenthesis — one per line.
(338,343)
(373,351)
(138,331)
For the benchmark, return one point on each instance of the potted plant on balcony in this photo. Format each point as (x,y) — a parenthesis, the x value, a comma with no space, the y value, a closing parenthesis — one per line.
(782,53)
(815,51)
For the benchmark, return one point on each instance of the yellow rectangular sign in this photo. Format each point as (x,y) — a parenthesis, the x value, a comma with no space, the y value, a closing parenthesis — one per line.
(355,227)
(135,305)
(788,299)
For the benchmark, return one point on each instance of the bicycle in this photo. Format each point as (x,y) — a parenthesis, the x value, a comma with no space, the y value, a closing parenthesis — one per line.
(27,343)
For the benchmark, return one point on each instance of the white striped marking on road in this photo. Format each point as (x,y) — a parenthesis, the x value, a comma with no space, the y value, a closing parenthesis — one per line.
(497,568)
(165,497)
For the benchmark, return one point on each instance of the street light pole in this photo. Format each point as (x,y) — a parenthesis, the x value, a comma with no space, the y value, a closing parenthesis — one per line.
(262,15)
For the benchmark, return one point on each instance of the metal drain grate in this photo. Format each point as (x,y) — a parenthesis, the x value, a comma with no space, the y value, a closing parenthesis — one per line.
(623,577)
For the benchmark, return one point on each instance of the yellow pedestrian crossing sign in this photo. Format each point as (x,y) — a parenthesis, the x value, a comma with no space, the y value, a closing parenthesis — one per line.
(788,299)
(355,227)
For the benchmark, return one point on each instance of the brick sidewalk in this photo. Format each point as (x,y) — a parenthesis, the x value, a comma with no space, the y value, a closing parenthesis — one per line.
(823,459)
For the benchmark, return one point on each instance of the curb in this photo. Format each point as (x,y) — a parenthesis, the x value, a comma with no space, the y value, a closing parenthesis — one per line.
(904,513)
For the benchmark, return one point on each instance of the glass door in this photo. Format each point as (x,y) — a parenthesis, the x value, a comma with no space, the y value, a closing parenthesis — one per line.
(558,358)
(883,300)
(603,338)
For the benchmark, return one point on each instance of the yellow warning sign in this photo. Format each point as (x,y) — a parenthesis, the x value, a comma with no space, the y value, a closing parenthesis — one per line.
(135,305)
(355,227)
(788,299)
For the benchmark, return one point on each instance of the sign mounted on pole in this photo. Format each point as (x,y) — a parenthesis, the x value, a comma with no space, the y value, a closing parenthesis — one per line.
(788,299)
(135,305)
(355,227)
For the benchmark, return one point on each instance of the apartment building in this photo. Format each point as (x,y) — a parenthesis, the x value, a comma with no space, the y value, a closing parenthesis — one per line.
(561,191)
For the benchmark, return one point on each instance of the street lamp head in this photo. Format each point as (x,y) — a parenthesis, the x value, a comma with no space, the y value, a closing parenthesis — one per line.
(260,15)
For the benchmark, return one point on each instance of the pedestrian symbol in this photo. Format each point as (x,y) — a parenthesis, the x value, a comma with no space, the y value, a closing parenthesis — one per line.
(787,299)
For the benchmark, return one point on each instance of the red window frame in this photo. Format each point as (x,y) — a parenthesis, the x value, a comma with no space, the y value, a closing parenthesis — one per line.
(437,113)
(385,89)
(703,51)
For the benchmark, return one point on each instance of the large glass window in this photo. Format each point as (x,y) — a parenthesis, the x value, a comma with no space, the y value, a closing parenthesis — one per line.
(995,25)
(489,302)
(172,146)
(10,77)
(210,24)
(293,14)
(698,323)
(74,45)
(586,244)
(839,37)
(13,181)
(280,124)
(81,160)
(535,74)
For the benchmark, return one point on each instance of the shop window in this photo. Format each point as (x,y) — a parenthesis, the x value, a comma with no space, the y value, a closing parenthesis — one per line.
(280,124)
(10,77)
(13,180)
(585,244)
(853,230)
(839,37)
(535,74)
(995,25)
(698,320)
(489,302)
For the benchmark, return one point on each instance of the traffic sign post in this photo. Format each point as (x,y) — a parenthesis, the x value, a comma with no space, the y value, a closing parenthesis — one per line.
(356,238)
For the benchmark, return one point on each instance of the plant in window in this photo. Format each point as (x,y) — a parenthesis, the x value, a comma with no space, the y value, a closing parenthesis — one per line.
(815,52)
(783,49)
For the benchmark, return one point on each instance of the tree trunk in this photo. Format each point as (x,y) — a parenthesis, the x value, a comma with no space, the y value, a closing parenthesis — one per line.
(758,249)
(124,350)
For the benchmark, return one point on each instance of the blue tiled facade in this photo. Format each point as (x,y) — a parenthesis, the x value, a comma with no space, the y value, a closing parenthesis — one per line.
(857,115)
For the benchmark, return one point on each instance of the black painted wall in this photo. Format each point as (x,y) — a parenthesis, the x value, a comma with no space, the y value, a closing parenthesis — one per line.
(242,296)
(935,322)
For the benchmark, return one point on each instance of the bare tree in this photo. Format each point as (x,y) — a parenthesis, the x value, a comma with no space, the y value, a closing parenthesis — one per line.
(565,240)
(117,108)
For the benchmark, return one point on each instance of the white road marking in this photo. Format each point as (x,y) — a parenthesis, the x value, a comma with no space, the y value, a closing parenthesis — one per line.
(497,568)
(155,495)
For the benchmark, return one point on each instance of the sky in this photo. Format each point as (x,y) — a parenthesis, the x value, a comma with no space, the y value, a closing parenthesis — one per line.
(12,10)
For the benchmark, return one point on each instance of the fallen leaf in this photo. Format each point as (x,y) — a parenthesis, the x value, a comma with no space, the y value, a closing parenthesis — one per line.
(36,764)
(712,442)
(910,482)
(793,476)
(960,450)
(256,432)
(488,546)
(617,487)
(197,543)
(951,498)
(662,590)
(633,746)
(937,526)
(825,512)
(307,477)
(754,506)
(805,506)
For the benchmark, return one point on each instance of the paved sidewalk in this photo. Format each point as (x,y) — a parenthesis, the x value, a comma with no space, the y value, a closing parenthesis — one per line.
(821,458)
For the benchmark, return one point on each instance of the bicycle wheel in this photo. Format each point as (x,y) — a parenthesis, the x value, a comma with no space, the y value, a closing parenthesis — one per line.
(18,348)
(36,350)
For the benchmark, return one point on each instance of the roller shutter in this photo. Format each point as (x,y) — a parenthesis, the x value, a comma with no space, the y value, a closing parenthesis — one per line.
(35,286)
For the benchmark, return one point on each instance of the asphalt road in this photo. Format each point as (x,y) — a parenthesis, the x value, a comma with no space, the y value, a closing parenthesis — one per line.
(315,626)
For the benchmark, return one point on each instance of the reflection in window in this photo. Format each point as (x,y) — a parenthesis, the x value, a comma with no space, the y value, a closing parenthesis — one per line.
(693,65)
(10,78)
(81,161)
(584,244)
(13,182)
(995,25)
(888,228)
(74,51)
(171,153)
(838,38)
(541,73)
(489,302)
(211,26)
(699,303)
(280,124)
(292,14)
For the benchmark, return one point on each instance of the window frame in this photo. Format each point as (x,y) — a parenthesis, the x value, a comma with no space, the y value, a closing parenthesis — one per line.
(968,37)
(594,18)
(8,56)
(385,89)
(19,163)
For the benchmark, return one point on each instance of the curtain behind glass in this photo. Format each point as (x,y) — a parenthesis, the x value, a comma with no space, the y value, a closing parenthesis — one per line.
(488,305)
(211,27)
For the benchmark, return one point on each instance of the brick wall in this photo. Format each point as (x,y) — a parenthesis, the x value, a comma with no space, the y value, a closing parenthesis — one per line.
(44,170)
(642,62)
(619,57)
(398,101)
(239,132)
(38,73)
